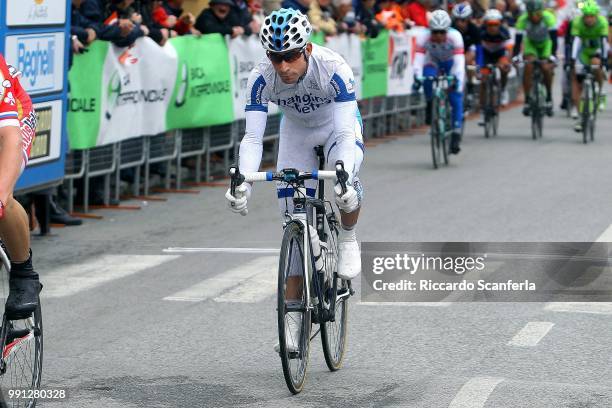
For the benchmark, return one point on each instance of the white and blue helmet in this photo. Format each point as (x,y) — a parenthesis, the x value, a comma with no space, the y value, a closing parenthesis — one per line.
(462,10)
(285,30)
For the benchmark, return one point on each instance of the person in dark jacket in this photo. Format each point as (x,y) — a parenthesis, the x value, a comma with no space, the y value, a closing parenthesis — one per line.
(156,32)
(301,5)
(82,30)
(220,18)
(244,16)
(122,25)
(366,16)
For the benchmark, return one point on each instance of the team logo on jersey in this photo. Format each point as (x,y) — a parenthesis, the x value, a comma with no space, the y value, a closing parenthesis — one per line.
(313,85)
(9,99)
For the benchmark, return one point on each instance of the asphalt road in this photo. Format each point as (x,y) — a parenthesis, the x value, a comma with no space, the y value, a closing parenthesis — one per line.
(130,325)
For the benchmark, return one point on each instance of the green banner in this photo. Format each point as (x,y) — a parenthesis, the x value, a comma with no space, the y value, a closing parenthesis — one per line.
(203,93)
(317,38)
(85,97)
(375,54)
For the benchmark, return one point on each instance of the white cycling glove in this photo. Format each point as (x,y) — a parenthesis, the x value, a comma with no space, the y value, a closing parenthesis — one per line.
(238,202)
(347,202)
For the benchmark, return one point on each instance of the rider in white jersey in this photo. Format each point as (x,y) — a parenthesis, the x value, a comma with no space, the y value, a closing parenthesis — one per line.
(440,49)
(315,90)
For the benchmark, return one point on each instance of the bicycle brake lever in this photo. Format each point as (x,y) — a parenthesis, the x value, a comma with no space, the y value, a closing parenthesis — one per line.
(341,175)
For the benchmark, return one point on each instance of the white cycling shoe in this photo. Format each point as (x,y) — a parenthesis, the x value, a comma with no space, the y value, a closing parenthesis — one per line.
(293,324)
(574,113)
(505,98)
(349,257)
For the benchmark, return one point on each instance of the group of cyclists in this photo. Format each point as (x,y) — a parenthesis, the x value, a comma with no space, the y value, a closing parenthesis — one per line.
(297,73)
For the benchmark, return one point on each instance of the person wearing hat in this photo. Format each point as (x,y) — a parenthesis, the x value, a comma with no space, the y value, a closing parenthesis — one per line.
(221,18)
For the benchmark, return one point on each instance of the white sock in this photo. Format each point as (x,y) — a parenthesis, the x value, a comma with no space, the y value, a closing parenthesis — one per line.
(347,235)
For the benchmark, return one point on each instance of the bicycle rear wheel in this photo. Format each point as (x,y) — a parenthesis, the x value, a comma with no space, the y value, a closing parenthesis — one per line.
(334,332)
(294,315)
(22,349)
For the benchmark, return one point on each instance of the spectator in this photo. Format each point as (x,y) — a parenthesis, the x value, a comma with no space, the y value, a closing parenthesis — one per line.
(345,16)
(257,11)
(415,12)
(390,15)
(157,32)
(241,8)
(365,15)
(121,25)
(321,17)
(220,18)
(301,5)
(270,5)
(82,29)
(184,21)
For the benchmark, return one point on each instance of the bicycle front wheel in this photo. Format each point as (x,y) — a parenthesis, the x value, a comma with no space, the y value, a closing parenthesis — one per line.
(435,135)
(294,314)
(22,353)
(336,291)
(586,112)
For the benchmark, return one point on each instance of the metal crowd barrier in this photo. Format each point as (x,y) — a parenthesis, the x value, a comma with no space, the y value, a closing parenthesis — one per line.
(381,116)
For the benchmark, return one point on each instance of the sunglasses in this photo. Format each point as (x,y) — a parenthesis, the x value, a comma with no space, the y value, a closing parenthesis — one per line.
(438,32)
(289,56)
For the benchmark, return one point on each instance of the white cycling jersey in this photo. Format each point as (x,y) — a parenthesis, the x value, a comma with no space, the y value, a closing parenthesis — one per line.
(320,109)
(433,53)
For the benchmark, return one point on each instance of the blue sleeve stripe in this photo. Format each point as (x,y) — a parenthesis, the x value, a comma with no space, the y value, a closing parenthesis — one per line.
(257,91)
(342,94)
(260,108)
(269,176)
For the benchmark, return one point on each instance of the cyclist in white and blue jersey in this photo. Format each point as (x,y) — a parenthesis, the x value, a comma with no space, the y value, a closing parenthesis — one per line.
(314,88)
(440,50)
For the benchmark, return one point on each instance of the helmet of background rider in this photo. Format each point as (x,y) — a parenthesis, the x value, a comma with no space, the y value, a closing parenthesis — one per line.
(589,8)
(493,16)
(533,6)
(285,30)
(462,10)
(439,21)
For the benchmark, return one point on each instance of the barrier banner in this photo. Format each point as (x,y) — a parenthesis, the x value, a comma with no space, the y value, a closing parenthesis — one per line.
(349,46)
(85,96)
(245,53)
(137,83)
(202,92)
(375,53)
(400,68)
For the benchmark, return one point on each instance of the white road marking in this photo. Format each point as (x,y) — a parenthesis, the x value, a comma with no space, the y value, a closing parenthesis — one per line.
(213,287)
(426,304)
(475,392)
(531,334)
(604,308)
(606,236)
(71,279)
(180,250)
(255,288)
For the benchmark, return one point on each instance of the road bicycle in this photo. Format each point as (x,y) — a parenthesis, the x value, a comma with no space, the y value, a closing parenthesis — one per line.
(589,103)
(309,289)
(441,125)
(22,350)
(538,100)
(492,101)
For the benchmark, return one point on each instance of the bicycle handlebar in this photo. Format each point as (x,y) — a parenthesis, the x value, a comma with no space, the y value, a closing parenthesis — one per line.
(288,176)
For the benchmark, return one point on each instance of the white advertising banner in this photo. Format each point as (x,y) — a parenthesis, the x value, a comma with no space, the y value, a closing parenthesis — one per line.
(400,66)
(40,58)
(137,84)
(349,46)
(35,12)
(244,54)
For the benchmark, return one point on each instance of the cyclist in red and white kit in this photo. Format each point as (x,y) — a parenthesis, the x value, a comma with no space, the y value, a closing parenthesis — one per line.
(17,130)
